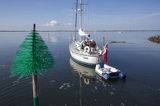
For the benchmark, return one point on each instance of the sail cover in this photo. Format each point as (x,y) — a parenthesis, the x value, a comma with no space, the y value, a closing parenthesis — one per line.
(82,33)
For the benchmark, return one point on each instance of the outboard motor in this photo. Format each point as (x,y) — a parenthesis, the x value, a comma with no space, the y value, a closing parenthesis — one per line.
(98,66)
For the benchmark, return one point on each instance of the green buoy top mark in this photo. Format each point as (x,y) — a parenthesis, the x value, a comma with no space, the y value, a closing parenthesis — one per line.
(32,57)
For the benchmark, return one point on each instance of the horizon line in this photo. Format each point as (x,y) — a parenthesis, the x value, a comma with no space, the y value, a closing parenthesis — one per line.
(114,30)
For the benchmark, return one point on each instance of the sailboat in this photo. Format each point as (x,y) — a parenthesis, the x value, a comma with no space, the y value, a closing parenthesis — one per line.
(85,50)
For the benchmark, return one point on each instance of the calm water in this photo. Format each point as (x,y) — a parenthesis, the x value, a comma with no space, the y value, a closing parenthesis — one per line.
(70,84)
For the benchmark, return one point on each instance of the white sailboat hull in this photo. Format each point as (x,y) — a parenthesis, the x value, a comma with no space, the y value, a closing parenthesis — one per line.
(83,58)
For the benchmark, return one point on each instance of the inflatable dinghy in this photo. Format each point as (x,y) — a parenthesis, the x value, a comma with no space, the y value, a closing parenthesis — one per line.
(108,72)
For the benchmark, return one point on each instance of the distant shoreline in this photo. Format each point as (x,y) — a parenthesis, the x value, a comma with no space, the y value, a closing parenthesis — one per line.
(86,30)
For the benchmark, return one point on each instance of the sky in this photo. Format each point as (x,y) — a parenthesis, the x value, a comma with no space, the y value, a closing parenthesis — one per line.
(98,14)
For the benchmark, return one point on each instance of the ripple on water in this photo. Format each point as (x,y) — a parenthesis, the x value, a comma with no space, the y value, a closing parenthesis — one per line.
(11,90)
(65,86)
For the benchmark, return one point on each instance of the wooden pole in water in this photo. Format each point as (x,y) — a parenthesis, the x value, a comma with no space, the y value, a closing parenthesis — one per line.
(34,74)
(35,89)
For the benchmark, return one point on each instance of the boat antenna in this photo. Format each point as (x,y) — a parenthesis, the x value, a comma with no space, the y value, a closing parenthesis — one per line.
(104,40)
(75,26)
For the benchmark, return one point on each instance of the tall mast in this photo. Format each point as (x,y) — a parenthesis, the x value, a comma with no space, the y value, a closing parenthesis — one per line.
(81,10)
(76,19)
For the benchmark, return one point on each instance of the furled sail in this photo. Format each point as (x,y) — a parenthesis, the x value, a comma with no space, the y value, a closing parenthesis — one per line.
(82,33)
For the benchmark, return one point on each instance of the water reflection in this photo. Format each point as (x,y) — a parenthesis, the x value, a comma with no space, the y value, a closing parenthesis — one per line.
(87,74)
(3,66)
(51,38)
(91,84)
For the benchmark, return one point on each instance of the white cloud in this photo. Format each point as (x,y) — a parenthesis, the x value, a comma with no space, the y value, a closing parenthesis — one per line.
(52,23)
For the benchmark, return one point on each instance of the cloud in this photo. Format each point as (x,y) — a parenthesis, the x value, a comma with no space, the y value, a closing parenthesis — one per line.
(52,23)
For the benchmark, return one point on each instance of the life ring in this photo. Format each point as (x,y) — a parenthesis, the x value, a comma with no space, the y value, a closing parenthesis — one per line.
(87,49)
(86,81)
